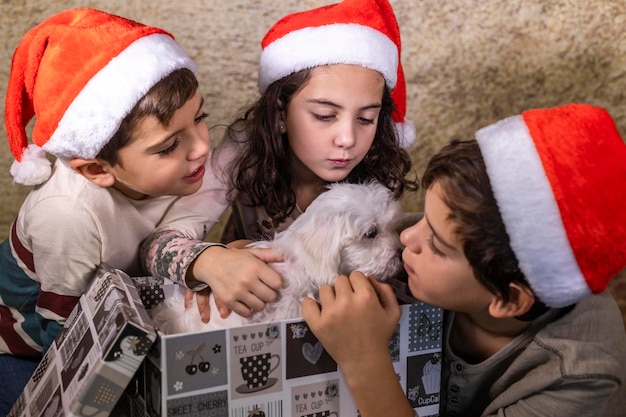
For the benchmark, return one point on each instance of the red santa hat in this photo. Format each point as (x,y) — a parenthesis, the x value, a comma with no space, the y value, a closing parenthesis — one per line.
(358,32)
(79,73)
(559,177)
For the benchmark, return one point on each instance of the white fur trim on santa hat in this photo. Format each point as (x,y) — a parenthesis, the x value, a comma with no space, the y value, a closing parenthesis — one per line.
(530,213)
(330,44)
(95,114)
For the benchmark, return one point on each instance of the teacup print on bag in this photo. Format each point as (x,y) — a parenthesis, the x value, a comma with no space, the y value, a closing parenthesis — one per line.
(255,360)
(256,370)
(316,400)
(324,413)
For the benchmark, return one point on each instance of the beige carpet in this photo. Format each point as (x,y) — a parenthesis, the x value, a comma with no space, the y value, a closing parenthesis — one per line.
(467,63)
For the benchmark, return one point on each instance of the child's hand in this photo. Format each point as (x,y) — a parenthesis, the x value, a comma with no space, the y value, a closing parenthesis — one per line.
(239,278)
(238,244)
(202,302)
(204,306)
(355,320)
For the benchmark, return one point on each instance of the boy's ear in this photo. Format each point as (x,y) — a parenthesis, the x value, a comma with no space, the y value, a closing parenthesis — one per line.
(521,299)
(94,170)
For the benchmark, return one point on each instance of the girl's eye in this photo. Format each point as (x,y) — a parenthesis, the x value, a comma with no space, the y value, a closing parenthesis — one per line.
(201,117)
(366,121)
(170,148)
(323,118)
(431,244)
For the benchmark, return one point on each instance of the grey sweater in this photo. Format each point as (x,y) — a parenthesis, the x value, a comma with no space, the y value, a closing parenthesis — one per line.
(569,362)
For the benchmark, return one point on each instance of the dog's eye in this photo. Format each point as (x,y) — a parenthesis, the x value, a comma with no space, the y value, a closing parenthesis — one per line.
(371,233)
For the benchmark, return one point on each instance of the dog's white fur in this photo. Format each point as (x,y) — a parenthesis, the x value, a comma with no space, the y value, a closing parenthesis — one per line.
(348,227)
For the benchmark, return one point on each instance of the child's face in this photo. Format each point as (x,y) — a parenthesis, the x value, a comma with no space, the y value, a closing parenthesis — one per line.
(331,122)
(165,160)
(439,273)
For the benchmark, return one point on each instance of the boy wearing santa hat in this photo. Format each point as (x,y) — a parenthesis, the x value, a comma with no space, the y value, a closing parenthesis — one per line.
(523,228)
(117,103)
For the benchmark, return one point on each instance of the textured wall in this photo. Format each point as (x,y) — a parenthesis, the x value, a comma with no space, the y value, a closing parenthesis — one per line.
(467,63)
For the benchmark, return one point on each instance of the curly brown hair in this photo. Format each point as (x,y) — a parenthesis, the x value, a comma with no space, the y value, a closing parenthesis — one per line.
(260,175)
(161,101)
(460,170)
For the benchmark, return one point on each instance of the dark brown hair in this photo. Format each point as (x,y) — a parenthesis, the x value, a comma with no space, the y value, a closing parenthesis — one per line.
(460,170)
(161,101)
(261,175)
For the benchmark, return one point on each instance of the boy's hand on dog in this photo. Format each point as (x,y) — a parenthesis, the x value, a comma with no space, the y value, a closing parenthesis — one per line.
(354,320)
(238,244)
(202,302)
(240,279)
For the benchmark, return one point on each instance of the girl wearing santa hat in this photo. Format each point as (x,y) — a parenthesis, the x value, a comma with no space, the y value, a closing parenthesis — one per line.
(332,108)
(523,228)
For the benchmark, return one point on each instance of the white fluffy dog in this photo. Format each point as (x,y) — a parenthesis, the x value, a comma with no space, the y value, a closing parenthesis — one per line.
(348,227)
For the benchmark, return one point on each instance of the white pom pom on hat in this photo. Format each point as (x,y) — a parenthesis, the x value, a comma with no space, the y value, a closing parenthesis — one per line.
(33,169)
(79,73)
(558,176)
(357,32)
